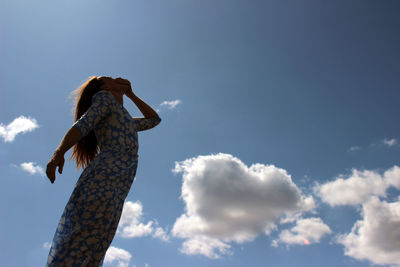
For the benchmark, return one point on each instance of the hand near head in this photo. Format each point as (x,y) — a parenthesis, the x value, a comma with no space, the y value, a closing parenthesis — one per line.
(57,160)
(126,85)
(117,86)
(122,81)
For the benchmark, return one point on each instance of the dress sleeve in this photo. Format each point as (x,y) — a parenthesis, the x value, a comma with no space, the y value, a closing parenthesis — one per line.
(100,108)
(146,123)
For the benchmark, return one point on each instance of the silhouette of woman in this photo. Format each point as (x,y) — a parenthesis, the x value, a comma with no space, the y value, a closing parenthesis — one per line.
(105,142)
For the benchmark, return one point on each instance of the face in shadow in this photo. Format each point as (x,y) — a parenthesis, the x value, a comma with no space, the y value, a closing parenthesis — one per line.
(117,87)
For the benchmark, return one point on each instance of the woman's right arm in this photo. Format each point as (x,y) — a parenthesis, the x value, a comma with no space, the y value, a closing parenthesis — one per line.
(72,137)
(100,108)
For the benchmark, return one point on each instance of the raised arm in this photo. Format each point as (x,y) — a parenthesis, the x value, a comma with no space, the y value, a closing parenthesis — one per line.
(125,86)
(147,111)
(151,118)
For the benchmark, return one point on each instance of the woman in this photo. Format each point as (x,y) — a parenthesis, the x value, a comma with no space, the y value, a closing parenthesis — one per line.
(105,143)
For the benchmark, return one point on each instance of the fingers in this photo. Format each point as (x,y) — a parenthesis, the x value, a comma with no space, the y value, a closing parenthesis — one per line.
(107,88)
(60,167)
(57,160)
(122,81)
(51,172)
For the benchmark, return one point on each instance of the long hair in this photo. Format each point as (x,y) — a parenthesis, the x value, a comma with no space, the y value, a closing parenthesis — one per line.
(87,148)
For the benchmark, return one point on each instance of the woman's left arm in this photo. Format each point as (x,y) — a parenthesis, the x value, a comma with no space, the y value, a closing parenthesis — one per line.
(125,86)
(151,118)
(147,111)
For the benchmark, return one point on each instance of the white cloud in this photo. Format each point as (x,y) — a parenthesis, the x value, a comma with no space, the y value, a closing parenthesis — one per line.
(392,177)
(358,187)
(376,237)
(390,142)
(205,245)
(226,201)
(354,148)
(170,104)
(160,234)
(305,232)
(31,168)
(119,255)
(131,225)
(19,125)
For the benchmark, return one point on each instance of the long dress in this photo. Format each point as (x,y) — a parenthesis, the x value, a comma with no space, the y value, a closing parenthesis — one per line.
(90,219)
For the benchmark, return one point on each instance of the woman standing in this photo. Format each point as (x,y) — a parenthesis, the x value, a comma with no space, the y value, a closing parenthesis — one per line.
(105,143)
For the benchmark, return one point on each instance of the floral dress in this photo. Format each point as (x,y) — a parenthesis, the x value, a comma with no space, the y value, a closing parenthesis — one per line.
(90,219)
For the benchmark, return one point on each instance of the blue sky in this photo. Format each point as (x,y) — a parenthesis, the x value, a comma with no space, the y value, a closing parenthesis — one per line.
(281,148)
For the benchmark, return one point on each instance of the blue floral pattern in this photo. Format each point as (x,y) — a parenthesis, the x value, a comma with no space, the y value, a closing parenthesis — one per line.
(91,216)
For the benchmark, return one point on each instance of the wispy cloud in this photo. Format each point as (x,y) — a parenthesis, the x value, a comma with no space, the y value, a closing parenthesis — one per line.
(305,232)
(390,142)
(131,224)
(19,125)
(171,104)
(161,234)
(354,148)
(32,168)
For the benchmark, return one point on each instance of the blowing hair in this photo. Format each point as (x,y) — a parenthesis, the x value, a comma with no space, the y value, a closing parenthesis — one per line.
(87,148)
